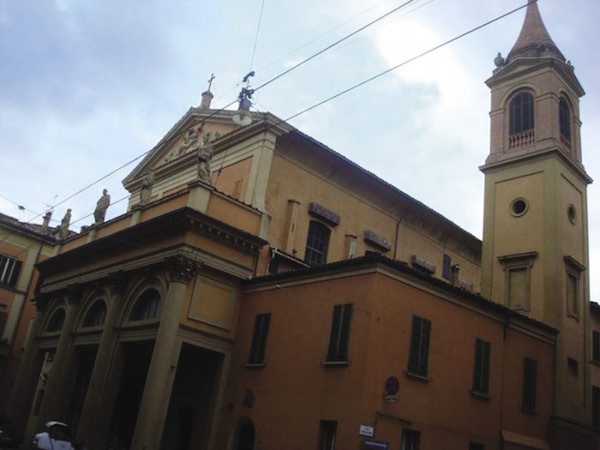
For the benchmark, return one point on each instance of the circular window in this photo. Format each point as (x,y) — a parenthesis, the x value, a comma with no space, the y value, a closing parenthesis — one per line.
(572,213)
(518,207)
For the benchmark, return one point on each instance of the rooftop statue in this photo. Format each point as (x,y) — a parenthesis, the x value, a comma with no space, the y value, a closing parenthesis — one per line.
(101,207)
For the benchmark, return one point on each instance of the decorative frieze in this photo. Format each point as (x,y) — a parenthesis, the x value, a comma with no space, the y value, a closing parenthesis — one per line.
(423,264)
(376,240)
(324,213)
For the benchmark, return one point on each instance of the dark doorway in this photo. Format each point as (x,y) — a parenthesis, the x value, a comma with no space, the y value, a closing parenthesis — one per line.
(244,435)
(136,360)
(193,399)
(84,363)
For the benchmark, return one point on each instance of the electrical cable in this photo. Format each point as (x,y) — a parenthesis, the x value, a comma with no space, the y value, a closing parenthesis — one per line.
(262,8)
(391,69)
(330,46)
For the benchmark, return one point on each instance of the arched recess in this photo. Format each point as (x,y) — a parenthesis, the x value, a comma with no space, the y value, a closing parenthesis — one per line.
(143,290)
(146,306)
(521,112)
(243,435)
(56,320)
(95,315)
(565,117)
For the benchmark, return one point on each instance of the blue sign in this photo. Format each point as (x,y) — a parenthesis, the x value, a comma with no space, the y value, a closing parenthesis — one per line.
(372,443)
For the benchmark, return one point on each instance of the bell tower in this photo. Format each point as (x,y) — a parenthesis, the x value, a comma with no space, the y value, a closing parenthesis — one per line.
(535,239)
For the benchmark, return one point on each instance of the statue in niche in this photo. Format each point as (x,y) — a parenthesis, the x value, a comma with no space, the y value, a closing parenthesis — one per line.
(147,183)
(101,207)
(63,228)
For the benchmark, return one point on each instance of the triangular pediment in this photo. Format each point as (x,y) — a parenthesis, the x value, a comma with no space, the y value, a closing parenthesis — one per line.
(198,127)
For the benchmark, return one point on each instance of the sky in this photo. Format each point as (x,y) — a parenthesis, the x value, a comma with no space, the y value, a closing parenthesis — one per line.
(87,86)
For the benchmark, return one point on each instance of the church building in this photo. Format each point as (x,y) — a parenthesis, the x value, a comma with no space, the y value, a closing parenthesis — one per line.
(264,292)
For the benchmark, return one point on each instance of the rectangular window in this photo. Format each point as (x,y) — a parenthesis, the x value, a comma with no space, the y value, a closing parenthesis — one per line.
(410,439)
(596,406)
(418,353)
(327,430)
(317,242)
(595,346)
(9,270)
(446,267)
(475,446)
(529,384)
(259,339)
(340,333)
(481,367)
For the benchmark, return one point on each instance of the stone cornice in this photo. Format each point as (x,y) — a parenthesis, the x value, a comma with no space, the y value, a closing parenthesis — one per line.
(143,234)
(553,151)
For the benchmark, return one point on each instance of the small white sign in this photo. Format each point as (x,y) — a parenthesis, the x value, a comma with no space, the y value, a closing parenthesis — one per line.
(366,431)
(391,398)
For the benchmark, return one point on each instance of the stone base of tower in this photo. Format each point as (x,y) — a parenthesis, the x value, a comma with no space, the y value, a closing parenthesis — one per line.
(567,435)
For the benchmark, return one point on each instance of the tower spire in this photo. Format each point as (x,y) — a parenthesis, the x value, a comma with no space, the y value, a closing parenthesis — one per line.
(534,39)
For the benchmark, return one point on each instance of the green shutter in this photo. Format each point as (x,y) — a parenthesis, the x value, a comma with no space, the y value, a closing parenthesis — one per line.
(418,357)
(340,332)
(259,339)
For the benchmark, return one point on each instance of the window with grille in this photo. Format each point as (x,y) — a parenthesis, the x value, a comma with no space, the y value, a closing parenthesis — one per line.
(9,270)
(481,367)
(564,115)
(317,243)
(147,306)
(327,430)
(529,384)
(96,315)
(56,321)
(418,353)
(410,439)
(259,339)
(340,333)
(521,113)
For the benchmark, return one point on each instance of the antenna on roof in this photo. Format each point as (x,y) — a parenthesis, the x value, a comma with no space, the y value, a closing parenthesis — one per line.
(243,117)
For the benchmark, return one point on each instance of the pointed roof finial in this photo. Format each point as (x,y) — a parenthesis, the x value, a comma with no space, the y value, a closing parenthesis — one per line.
(534,40)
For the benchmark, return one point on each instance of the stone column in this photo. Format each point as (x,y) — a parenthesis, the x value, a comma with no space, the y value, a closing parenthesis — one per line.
(163,365)
(54,387)
(92,422)
(22,394)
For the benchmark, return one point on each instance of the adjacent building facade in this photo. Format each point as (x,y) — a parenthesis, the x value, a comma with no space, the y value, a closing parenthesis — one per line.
(262,291)
(22,246)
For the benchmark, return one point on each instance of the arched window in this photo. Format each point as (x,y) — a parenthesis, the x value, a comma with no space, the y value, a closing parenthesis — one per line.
(521,113)
(56,321)
(96,315)
(317,243)
(147,306)
(564,118)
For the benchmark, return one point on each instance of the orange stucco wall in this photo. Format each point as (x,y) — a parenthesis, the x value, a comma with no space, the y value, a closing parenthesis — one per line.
(442,409)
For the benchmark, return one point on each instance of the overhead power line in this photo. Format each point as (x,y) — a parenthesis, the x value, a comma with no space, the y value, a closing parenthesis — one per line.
(414,58)
(330,46)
